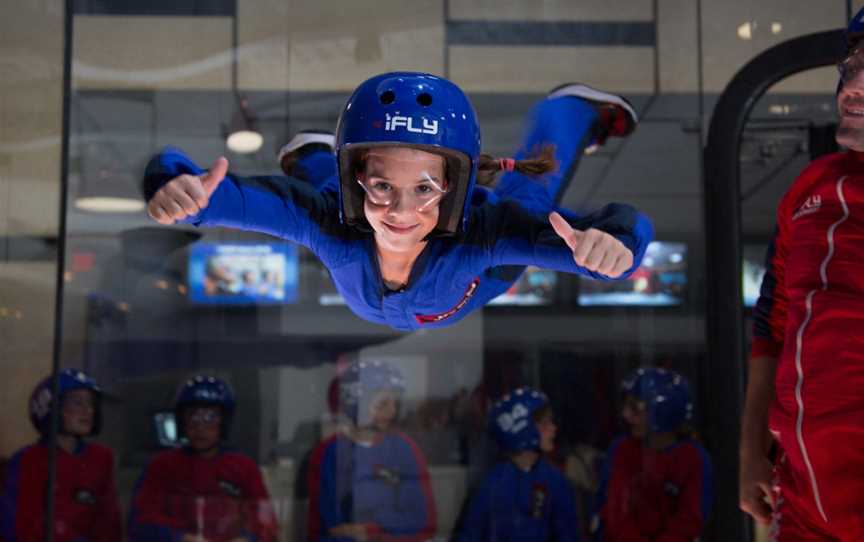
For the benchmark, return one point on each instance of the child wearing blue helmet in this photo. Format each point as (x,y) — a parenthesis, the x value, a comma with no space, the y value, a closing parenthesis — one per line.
(369,481)
(656,482)
(85,497)
(523,497)
(202,491)
(408,240)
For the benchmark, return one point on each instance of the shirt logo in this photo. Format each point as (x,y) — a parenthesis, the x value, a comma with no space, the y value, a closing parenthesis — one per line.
(539,494)
(432,318)
(671,489)
(810,206)
(230,488)
(389,477)
(85,496)
(395,122)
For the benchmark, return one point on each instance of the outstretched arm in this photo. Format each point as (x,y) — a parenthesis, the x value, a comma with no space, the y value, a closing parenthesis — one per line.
(607,244)
(178,190)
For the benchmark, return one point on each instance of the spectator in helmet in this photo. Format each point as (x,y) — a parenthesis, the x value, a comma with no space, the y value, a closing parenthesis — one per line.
(656,482)
(369,481)
(202,491)
(85,495)
(524,497)
(409,238)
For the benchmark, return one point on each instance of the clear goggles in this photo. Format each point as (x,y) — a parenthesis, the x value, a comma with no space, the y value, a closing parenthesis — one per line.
(851,66)
(204,417)
(421,196)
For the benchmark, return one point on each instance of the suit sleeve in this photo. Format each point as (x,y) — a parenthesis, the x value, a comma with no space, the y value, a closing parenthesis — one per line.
(323,512)
(261,520)
(148,520)
(598,521)
(694,501)
(278,206)
(474,525)
(565,524)
(414,519)
(514,236)
(23,500)
(770,312)
(110,527)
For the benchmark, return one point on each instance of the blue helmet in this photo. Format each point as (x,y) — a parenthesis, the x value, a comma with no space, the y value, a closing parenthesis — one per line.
(855,31)
(204,390)
(41,400)
(511,420)
(852,37)
(360,381)
(415,110)
(666,395)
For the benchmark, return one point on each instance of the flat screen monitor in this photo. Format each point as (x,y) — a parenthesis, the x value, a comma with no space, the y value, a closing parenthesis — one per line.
(166,429)
(661,280)
(535,287)
(243,273)
(752,271)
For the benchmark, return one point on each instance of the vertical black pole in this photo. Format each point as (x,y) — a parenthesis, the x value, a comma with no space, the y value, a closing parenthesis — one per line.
(61,266)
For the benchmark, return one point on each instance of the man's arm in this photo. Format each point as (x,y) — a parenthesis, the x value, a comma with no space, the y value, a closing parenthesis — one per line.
(769,325)
(755,467)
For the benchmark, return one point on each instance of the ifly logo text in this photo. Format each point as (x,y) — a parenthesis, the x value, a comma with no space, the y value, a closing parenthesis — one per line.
(395,122)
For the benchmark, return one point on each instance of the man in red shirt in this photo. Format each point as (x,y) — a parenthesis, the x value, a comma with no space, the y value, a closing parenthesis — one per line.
(85,496)
(656,484)
(806,369)
(204,491)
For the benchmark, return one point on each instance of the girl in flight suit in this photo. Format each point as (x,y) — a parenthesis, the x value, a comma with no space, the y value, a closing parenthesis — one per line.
(408,240)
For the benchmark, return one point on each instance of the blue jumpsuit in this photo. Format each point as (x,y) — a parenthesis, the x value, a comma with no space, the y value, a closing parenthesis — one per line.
(383,486)
(516,506)
(507,229)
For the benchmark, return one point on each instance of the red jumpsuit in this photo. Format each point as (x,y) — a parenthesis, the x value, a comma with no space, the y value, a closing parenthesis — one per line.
(85,496)
(811,315)
(649,495)
(219,498)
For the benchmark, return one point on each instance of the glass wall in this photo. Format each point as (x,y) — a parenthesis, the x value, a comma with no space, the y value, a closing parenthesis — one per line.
(239,397)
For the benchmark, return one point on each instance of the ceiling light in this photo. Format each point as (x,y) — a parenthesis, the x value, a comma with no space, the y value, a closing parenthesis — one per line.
(105,204)
(243,135)
(745,31)
(106,190)
(244,141)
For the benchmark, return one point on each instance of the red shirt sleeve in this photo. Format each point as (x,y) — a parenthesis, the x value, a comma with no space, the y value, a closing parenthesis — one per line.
(110,527)
(261,516)
(686,524)
(149,500)
(770,312)
(27,479)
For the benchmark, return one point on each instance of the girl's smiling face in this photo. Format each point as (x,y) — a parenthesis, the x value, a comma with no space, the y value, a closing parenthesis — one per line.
(403,188)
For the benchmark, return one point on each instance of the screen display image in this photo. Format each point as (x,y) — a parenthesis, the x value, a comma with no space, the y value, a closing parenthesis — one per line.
(243,273)
(752,271)
(535,287)
(166,429)
(661,280)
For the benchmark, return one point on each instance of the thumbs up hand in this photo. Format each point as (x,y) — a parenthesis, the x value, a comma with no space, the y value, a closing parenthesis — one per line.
(593,249)
(186,195)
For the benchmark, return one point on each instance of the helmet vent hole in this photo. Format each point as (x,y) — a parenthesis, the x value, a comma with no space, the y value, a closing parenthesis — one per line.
(424,99)
(387,97)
